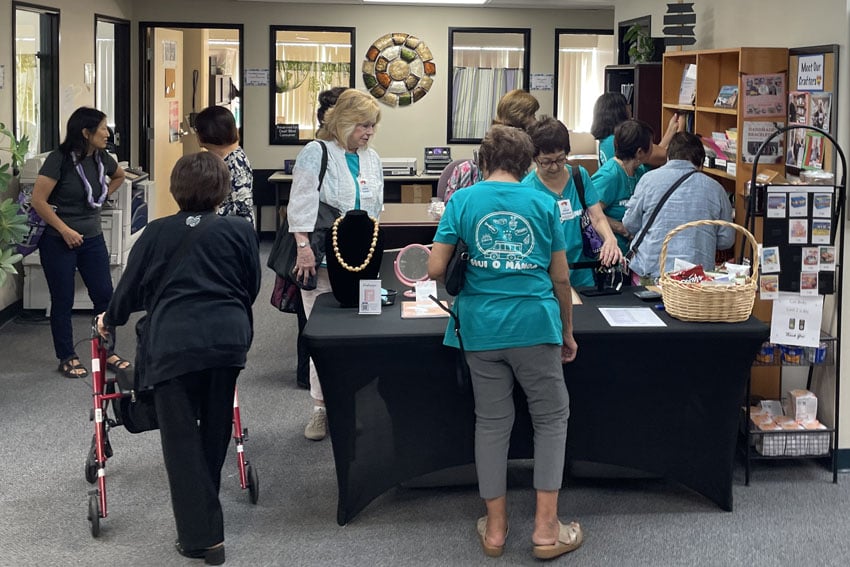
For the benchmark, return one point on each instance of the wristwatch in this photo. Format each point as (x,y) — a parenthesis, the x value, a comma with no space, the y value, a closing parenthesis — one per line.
(303,244)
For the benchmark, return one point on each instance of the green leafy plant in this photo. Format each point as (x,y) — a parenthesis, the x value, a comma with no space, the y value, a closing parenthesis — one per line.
(13,225)
(13,228)
(641,46)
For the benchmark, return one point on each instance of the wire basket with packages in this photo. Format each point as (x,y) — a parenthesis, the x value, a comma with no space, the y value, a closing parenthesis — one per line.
(691,296)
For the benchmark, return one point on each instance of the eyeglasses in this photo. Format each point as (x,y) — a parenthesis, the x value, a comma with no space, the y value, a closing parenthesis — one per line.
(547,163)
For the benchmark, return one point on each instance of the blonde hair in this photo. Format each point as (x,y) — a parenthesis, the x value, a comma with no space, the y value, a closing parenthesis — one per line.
(353,107)
(516,109)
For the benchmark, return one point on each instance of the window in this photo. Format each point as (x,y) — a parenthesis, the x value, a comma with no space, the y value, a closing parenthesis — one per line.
(305,62)
(112,77)
(580,71)
(36,80)
(486,63)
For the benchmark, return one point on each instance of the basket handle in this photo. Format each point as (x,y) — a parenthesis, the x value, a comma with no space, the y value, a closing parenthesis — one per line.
(663,259)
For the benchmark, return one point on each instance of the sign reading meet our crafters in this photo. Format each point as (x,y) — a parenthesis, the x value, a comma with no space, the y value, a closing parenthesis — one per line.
(286,132)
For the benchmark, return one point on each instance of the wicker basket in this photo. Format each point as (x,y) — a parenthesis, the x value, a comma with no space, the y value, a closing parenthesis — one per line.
(708,303)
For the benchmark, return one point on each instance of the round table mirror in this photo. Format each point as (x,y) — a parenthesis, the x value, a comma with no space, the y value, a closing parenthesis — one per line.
(411,266)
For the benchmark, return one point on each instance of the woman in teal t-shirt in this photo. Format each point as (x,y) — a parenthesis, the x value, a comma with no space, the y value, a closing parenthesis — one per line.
(614,183)
(554,178)
(515,312)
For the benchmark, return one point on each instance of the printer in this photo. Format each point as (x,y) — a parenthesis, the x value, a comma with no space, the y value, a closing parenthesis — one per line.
(398,166)
(437,158)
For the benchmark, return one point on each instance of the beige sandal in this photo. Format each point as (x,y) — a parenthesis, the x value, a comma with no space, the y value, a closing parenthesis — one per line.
(569,539)
(489,550)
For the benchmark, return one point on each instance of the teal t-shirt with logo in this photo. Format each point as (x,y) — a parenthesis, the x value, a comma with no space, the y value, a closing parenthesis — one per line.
(508,300)
(614,188)
(570,219)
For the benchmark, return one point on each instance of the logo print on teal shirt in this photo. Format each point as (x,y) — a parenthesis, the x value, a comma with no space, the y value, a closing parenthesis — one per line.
(503,235)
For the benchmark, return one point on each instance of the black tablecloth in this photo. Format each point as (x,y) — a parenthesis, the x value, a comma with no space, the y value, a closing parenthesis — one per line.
(663,399)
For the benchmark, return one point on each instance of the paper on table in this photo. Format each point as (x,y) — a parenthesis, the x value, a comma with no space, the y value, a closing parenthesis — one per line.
(631,317)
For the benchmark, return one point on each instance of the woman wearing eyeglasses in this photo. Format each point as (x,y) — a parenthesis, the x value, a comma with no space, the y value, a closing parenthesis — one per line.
(555,178)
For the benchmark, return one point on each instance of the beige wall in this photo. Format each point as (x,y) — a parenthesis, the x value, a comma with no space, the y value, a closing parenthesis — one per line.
(403,132)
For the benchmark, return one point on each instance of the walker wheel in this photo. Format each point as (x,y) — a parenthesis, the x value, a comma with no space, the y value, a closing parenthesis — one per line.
(91,467)
(253,483)
(94,515)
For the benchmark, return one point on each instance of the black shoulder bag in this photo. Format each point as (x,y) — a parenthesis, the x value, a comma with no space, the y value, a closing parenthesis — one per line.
(138,411)
(639,238)
(456,268)
(284,251)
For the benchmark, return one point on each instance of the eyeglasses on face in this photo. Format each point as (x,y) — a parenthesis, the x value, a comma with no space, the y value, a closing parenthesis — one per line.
(547,163)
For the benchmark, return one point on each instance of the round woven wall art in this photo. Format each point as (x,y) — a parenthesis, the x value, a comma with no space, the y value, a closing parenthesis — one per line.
(399,69)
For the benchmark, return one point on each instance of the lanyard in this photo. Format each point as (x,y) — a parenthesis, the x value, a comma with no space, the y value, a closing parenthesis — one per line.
(101,173)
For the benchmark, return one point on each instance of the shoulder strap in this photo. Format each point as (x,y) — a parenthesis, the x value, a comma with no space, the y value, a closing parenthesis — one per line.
(193,235)
(579,185)
(324,167)
(639,238)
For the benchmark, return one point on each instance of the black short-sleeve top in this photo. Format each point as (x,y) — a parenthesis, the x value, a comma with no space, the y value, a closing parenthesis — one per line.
(70,196)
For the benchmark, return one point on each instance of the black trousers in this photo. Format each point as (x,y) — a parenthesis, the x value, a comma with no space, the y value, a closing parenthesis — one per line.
(195,414)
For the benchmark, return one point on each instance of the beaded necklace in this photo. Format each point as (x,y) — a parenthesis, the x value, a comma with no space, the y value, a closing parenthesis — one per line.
(103,185)
(372,246)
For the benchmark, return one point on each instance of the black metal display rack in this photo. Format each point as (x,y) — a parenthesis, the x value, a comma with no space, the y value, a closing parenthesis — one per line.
(799,444)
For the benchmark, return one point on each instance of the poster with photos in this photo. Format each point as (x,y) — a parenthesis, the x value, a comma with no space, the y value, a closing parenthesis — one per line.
(819,109)
(756,134)
(776,205)
(769,286)
(811,259)
(808,283)
(798,107)
(821,231)
(764,95)
(822,205)
(813,156)
(826,258)
(796,147)
(770,260)
(798,204)
(798,231)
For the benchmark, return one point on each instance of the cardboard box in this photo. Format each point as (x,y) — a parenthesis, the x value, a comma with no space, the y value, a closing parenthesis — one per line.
(416,193)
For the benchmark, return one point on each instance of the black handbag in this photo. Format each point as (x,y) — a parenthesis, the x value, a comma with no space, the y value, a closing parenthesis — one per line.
(456,268)
(284,252)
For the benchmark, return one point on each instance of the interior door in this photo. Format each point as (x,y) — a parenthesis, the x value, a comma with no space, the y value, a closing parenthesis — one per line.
(165,144)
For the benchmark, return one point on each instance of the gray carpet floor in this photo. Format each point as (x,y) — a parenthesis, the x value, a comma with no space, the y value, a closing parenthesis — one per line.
(791,514)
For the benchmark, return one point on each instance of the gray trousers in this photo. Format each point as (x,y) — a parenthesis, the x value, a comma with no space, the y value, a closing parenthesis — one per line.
(539,372)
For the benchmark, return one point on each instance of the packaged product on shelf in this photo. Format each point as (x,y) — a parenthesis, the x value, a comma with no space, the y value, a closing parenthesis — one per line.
(791,354)
(772,407)
(766,353)
(817,355)
(802,406)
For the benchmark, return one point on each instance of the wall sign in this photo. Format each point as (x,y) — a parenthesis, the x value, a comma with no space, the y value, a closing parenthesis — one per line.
(399,69)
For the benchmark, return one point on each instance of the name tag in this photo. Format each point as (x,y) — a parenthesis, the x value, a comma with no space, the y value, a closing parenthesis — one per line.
(566,210)
(365,190)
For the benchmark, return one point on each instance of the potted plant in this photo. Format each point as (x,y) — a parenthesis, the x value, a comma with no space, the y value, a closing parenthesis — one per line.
(13,224)
(641,47)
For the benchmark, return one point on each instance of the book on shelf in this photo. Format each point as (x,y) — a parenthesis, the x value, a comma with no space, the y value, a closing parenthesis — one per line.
(688,86)
(627,90)
(727,97)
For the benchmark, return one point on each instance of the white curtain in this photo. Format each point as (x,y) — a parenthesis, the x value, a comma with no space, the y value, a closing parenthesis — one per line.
(105,79)
(582,59)
(480,79)
(301,73)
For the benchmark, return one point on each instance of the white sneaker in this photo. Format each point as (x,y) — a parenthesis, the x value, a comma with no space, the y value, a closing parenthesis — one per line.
(317,427)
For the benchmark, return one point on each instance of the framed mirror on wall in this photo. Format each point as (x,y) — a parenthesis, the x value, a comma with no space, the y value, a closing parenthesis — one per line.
(485,64)
(304,62)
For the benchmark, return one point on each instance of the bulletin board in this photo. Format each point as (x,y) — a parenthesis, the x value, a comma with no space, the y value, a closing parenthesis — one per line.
(812,100)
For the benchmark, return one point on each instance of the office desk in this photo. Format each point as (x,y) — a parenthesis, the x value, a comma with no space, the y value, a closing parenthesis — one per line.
(662,400)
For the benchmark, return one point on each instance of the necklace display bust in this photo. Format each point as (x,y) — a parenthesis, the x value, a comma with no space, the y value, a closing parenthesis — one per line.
(355,246)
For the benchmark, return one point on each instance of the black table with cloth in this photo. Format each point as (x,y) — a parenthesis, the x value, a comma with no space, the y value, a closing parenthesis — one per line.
(664,400)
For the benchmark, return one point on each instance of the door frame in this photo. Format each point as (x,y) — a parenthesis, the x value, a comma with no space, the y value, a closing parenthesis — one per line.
(146,64)
(122,81)
(49,121)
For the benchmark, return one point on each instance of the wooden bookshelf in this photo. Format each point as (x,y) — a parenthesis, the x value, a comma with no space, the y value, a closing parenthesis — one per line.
(715,68)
